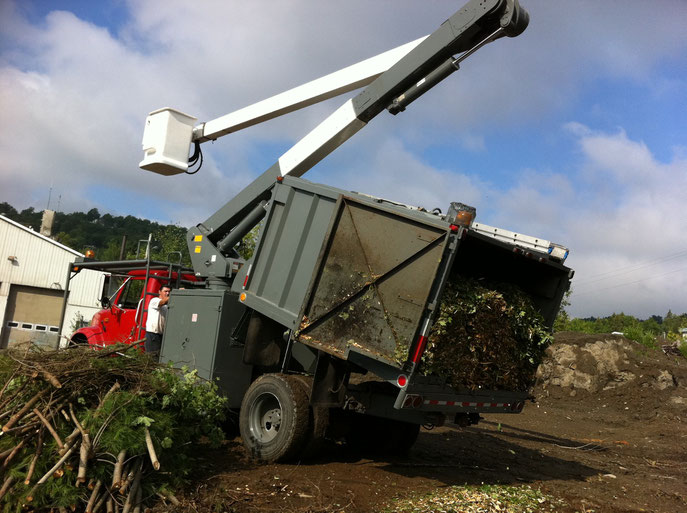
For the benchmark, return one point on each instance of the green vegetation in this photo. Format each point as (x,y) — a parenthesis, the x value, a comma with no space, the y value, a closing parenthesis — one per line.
(478,499)
(643,331)
(104,407)
(103,233)
(503,337)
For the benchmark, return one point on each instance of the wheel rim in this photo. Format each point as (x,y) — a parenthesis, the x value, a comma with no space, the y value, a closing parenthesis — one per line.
(265,418)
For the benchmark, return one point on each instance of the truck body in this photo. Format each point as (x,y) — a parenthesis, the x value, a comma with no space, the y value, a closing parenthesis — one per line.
(341,292)
(321,333)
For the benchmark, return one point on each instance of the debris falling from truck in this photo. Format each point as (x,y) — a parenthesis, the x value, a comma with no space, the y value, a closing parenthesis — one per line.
(486,336)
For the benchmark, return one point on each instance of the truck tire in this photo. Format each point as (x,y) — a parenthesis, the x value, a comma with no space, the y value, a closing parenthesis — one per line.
(404,435)
(275,419)
(78,340)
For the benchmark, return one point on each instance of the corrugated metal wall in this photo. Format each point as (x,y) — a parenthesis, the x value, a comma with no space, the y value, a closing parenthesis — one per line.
(27,258)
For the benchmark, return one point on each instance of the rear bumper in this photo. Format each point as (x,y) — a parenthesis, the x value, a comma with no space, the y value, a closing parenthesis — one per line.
(437,398)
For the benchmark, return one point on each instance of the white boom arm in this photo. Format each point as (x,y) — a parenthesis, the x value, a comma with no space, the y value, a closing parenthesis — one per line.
(169,133)
(392,80)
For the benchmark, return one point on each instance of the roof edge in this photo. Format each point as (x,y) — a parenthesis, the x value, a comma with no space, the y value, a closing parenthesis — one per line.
(47,239)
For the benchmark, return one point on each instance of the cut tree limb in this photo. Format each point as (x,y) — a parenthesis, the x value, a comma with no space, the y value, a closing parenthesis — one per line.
(127,482)
(165,494)
(139,499)
(34,460)
(50,472)
(99,504)
(84,454)
(50,429)
(117,474)
(94,496)
(15,418)
(133,493)
(6,486)
(50,377)
(113,389)
(151,451)
(12,454)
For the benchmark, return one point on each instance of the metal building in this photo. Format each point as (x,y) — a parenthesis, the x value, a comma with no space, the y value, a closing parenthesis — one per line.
(32,276)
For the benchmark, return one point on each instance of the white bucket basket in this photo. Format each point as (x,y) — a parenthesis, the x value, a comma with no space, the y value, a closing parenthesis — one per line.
(167,141)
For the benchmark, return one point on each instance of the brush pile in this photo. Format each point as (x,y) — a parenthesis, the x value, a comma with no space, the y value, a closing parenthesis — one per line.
(486,336)
(108,430)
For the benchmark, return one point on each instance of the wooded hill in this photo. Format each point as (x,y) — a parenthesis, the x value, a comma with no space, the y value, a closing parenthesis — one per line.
(103,233)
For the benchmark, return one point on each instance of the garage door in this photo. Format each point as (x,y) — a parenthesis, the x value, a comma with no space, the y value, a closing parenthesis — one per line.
(32,316)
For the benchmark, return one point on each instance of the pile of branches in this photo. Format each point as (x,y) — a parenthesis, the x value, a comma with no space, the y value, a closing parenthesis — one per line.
(486,336)
(86,430)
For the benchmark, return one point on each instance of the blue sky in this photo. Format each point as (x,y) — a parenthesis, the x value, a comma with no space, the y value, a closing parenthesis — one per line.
(576,131)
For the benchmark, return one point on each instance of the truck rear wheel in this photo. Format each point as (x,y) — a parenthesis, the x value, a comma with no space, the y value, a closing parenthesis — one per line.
(274,420)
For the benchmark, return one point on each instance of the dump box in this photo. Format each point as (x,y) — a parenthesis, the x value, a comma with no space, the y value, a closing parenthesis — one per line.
(360,278)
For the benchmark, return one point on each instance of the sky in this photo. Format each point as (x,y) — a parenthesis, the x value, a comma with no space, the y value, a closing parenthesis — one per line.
(575,131)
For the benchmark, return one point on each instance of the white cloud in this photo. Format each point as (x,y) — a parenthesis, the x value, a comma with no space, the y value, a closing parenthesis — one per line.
(76,94)
(397,174)
(73,98)
(625,226)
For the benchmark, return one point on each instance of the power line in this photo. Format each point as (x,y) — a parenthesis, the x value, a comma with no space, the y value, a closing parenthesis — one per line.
(583,293)
(631,268)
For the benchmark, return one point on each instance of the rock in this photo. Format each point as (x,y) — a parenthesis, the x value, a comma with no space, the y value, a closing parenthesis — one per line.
(592,367)
(679,401)
(619,379)
(665,380)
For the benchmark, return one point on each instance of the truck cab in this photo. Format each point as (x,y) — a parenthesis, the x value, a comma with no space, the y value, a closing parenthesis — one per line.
(125,311)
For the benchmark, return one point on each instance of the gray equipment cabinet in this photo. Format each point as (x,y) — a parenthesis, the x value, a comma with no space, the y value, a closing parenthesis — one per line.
(198,334)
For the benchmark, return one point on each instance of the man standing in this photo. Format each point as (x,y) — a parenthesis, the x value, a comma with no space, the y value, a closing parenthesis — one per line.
(155,324)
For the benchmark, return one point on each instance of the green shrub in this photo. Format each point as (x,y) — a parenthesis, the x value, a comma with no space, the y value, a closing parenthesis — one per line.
(639,335)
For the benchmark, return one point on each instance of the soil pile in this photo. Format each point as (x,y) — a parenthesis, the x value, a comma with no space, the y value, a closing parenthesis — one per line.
(612,365)
(486,335)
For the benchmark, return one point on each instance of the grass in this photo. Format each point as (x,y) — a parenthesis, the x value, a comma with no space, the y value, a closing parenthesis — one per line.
(643,337)
(477,499)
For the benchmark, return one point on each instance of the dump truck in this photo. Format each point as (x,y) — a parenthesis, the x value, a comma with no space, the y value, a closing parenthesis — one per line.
(322,332)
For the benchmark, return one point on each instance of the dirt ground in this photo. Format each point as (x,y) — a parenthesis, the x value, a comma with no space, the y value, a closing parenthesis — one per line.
(608,433)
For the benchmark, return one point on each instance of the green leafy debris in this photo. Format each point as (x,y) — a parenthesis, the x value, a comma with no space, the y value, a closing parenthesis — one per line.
(486,335)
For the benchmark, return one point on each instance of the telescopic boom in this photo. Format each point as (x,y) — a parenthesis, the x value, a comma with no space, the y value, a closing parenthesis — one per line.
(394,79)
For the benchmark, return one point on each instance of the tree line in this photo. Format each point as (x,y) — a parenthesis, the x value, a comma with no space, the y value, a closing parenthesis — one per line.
(103,233)
(646,331)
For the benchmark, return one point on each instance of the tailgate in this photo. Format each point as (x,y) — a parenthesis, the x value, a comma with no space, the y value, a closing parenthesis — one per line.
(374,280)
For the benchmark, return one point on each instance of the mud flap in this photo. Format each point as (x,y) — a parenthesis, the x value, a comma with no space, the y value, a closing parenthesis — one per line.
(264,342)
(331,379)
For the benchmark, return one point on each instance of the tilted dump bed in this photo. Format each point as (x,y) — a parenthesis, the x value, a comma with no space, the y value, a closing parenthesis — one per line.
(360,278)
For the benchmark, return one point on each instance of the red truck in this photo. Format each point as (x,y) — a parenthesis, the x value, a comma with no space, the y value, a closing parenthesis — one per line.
(125,311)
